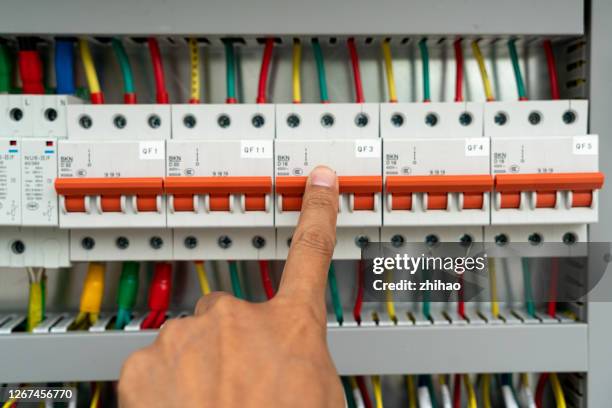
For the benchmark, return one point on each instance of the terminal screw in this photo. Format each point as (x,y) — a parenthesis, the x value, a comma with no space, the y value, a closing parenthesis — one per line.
(397,240)
(258,241)
(224,241)
(88,243)
(362,241)
(432,240)
(156,242)
(122,242)
(18,247)
(190,242)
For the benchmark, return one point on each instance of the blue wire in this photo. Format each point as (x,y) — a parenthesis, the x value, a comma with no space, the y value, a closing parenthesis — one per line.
(64,67)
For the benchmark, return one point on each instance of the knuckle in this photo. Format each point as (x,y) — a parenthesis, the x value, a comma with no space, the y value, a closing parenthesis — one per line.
(319,200)
(315,239)
(133,366)
(169,331)
(224,305)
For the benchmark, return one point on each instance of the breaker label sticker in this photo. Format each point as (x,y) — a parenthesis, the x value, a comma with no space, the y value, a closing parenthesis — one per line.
(367,148)
(256,149)
(477,146)
(587,145)
(151,150)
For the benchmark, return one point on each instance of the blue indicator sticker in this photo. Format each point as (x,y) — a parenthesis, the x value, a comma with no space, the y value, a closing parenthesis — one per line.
(13,151)
(49,151)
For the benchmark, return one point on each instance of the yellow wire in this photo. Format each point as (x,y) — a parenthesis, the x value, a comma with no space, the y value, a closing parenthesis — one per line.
(386,49)
(195,69)
(201,270)
(483,71)
(377,391)
(524,380)
(297,60)
(9,403)
(469,390)
(35,307)
(493,288)
(95,399)
(390,304)
(557,390)
(486,390)
(412,400)
(88,65)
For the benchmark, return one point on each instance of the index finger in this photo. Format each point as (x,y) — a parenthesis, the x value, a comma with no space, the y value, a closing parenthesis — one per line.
(305,275)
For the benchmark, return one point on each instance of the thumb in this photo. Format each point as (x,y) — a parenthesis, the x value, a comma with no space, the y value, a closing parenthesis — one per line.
(305,274)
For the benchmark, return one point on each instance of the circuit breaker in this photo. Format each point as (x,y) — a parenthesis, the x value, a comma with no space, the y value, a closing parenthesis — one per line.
(219,181)
(110,182)
(545,167)
(436,169)
(346,138)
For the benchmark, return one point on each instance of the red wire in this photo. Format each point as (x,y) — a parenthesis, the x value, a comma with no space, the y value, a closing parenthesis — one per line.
(457,391)
(263,73)
(552,70)
(31,72)
(264,270)
(359,297)
(554,276)
(459,77)
(161,95)
(148,321)
(363,390)
(356,73)
(539,395)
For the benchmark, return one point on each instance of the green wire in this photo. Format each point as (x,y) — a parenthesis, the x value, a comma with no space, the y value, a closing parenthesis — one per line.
(528,290)
(517,69)
(348,391)
(230,63)
(318,54)
(236,288)
(426,305)
(425,58)
(124,63)
(5,70)
(432,392)
(333,288)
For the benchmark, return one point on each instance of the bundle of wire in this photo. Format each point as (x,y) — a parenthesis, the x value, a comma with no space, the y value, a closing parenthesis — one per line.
(359,97)
(425,60)
(64,66)
(486,82)
(129,93)
(127,293)
(520,85)
(91,297)
(95,93)
(36,301)
(194,57)
(161,94)
(30,66)
(159,296)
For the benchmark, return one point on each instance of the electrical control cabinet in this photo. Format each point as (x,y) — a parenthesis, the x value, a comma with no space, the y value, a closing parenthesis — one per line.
(436,169)
(346,138)
(219,181)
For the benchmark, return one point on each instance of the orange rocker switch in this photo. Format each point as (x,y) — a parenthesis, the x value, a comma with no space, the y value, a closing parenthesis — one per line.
(437,190)
(104,195)
(362,190)
(205,194)
(546,190)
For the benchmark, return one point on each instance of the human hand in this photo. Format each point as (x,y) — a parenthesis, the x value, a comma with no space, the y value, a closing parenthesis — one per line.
(238,354)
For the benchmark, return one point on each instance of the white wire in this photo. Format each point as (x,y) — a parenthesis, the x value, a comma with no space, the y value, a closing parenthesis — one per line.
(509,401)
(526,398)
(424,397)
(358,400)
(446,396)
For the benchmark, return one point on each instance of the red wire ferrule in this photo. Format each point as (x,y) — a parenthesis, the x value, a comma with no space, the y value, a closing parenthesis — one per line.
(31,72)
(231,100)
(96,98)
(161,287)
(194,101)
(129,98)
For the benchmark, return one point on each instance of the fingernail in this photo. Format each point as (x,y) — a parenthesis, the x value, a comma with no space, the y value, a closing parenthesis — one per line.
(323,177)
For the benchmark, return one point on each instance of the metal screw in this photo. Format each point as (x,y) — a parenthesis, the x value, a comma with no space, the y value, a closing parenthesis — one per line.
(85,121)
(88,243)
(361,120)
(466,240)
(397,240)
(258,121)
(327,120)
(224,241)
(119,121)
(432,240)
(293,120)
(500,118)
(154,121)
(16,114)
(18,247)
(431,119)
(189,121)
(569,117)
(224,121)
(362,241)
(534,118)
(190,242)
(501,239)
(535,239)
(50,114)
(258,241)
(465,119)
(156,242)
(397,120)
(122,242)
(569,238)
